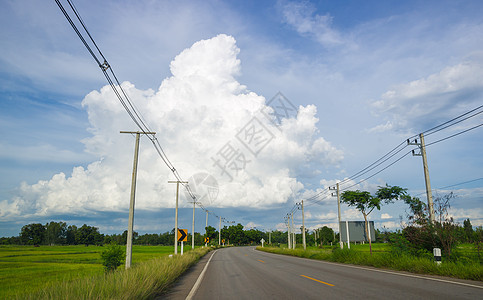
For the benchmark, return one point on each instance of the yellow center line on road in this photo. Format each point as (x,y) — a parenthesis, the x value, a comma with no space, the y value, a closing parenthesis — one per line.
(260,260)
(317,280)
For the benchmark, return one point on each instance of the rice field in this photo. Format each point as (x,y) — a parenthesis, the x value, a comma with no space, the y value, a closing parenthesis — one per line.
(26,269)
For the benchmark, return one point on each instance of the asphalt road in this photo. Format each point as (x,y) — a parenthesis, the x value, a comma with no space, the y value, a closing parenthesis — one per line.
(245,273)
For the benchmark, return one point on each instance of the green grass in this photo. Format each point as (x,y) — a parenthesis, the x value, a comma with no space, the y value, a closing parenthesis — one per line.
(143,281)
(384,258)
(26,268)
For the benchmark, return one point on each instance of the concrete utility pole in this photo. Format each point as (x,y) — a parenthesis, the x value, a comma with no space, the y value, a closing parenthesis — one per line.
(130,226)
(341,243)
(289,236)
(219,234)
(206,227)
(429,194)
(294,236)
(270,237)
(193,227)
(176,215)
(303,226)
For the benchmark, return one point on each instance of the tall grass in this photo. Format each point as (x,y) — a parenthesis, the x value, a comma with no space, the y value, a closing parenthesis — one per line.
(389,260)
(26,269)
(144,280)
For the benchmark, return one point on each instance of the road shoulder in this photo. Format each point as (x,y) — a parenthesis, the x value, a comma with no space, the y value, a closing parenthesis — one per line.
(182,286)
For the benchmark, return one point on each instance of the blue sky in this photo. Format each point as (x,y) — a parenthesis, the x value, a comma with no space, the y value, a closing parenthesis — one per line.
(364,75)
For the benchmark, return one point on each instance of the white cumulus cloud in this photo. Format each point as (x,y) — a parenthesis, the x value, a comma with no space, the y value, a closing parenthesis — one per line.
(201,114)
(386,216)
(425,102)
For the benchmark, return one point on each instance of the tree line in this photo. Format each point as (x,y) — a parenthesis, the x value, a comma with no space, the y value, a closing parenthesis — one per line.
(60,233)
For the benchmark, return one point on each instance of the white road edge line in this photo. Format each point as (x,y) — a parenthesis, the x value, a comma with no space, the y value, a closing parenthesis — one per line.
(200,278)
(383,271)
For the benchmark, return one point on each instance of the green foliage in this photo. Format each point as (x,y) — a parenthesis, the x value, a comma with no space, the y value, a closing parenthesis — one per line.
(468,229)
(395,260)
(55,233)
(424,235)
(112,257)
(366,203)
(143,281)
(362,200)
(25,269)
(88,235)
(211,232)
(235,234)
(326,235)
(32,234)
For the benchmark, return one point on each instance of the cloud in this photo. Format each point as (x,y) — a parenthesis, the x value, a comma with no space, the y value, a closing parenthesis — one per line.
(301,16)
(352,214)
(40,153)
(250,225)
(386,216)
(461,214)
(281,227)
(326,216)
(389,225)
(425,102)
(202,116)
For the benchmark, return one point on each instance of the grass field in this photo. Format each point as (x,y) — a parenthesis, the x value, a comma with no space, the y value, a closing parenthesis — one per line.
(468,265)
(26,268)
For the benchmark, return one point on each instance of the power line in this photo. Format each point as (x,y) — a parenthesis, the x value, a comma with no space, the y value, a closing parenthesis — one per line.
(453,135)
(453,185)
(472,113)
(120,93)
(433,130)
(377,172)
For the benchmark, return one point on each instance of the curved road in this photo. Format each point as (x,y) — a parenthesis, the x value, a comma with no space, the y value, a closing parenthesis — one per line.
(245,273)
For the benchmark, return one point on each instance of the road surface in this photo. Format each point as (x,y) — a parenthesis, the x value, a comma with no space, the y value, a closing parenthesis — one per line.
(245,273)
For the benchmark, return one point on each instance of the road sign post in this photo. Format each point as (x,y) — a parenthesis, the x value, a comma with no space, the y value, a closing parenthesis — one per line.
(182,237)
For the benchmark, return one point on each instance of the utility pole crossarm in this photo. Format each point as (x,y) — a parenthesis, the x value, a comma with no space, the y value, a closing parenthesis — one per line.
(138,132)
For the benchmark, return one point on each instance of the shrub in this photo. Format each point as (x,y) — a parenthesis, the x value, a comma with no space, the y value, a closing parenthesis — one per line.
(112,257)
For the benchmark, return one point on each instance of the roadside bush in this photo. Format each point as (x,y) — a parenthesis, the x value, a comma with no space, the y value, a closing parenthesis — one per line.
(112,257)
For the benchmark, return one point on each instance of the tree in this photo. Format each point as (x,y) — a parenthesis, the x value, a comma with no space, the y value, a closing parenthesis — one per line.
(211,233)
(32,234)
(422,234)
(112,257)
(366,203)
(235,234)
(326,235)
(447,231)
(55,233)
(88,235)
(468,230)
(70,235)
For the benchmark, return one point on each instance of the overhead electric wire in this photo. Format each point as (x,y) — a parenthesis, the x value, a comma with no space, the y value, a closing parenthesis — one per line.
(377,172)
(461,183)
(452,124)
(453,185)
(453,135)
(120,93)
(428,132)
